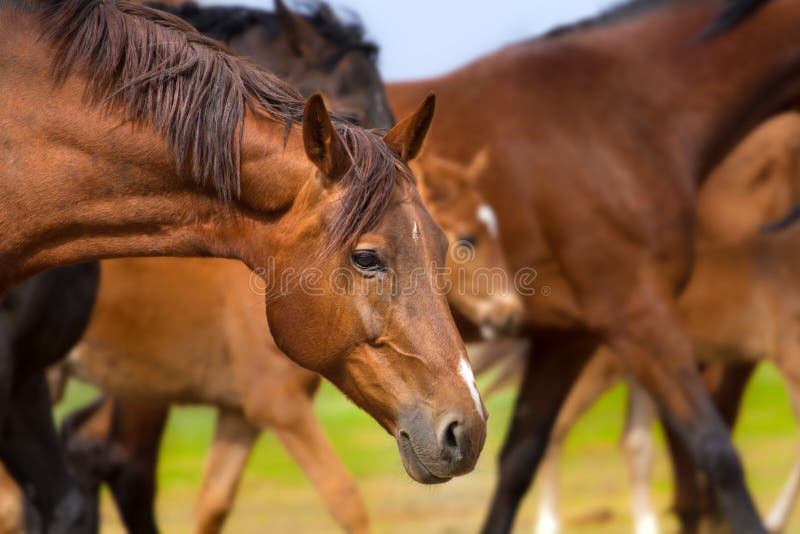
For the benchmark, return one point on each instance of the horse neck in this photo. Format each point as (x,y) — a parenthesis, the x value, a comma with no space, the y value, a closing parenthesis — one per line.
(709,93)
(682,98)
(78,184)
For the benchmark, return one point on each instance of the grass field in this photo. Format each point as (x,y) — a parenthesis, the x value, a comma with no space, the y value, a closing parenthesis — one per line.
(275,497)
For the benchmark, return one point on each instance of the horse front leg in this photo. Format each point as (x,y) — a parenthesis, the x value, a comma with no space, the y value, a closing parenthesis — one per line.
(648,336)
(553,365)
(599,375)
(694,501)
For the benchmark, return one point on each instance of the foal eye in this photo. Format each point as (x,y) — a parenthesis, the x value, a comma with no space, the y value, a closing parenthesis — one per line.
(467,241)
(368,261)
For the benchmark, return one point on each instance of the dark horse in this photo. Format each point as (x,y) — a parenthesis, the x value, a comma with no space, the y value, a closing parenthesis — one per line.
(40,321)
(314,51)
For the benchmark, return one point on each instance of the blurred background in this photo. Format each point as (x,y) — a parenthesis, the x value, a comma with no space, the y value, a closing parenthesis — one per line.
(422,38)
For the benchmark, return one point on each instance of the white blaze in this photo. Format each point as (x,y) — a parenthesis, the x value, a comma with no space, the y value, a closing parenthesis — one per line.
(488,217)
(415,232)
(466,373)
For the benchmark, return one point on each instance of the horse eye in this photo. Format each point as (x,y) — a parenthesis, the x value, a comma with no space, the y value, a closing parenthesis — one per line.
(368,261)
(467,241)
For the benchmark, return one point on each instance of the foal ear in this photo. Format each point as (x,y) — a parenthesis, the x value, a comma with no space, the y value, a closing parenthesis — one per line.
(323,145)
(478,165)
(303,38)
(406,138)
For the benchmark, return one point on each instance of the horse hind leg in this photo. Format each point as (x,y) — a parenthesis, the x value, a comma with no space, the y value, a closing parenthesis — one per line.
(639,453)
(778,517)
(116,442)
(234,438)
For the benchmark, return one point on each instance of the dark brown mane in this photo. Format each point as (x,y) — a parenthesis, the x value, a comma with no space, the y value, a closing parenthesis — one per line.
(161,71)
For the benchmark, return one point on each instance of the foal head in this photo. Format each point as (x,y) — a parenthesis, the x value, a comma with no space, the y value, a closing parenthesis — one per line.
(368,313)
(478,276)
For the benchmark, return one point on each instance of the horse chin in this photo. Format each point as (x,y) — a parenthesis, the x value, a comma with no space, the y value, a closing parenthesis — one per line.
(413,465)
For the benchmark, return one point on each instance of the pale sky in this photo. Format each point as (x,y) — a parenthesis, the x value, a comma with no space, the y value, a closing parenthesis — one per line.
(423,38)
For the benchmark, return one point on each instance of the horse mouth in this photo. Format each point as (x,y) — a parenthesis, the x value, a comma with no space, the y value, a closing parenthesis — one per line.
(415,468)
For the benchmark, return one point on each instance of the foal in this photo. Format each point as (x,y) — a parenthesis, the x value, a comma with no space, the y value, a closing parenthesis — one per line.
(202,342)
(598,196)
(178,147)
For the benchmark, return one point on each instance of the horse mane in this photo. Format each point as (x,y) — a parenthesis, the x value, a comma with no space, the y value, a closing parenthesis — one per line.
(158,70)
(732,13)
(227,22)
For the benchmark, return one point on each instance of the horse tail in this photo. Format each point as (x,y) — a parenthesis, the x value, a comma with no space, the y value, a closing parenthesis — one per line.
(781,224)
(733,12)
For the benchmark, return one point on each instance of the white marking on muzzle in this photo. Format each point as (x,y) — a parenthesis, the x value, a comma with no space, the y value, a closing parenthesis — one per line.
(466,373)
(487,216)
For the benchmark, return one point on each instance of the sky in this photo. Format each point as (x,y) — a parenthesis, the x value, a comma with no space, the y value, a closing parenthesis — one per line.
(424,38)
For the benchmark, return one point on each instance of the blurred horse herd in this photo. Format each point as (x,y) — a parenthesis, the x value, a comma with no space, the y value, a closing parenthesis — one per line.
(618,198)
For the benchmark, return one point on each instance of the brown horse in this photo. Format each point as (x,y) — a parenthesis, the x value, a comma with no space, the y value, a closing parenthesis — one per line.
(595,176)
(178,147)
(755,184)
(175,355)
(741,307)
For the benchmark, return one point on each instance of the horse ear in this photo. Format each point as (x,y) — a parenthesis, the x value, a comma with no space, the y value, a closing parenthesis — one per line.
(303,38)
(478,165)
(406,138)
(323,145)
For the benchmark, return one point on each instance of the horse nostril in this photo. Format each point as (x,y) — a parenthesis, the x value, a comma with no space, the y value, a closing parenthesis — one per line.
(450,438)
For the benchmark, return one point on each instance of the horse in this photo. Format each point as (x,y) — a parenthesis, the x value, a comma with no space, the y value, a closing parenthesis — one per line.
(312,50)
(141,366)
(740,307)
(353,68)
(755,184)
(597,196)
(158,141)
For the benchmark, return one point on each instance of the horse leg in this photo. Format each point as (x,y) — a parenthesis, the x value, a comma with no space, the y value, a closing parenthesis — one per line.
(649,338)
(778,516)
(693,499)
(553,365)
(12,512)
(600,374)
(780,512)
(638,450)
(547,521)
(234,438)
(137,428)
(306,442)
(116,442)
(32,453)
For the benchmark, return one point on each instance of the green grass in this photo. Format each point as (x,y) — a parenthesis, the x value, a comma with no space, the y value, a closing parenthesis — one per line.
(276,497)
